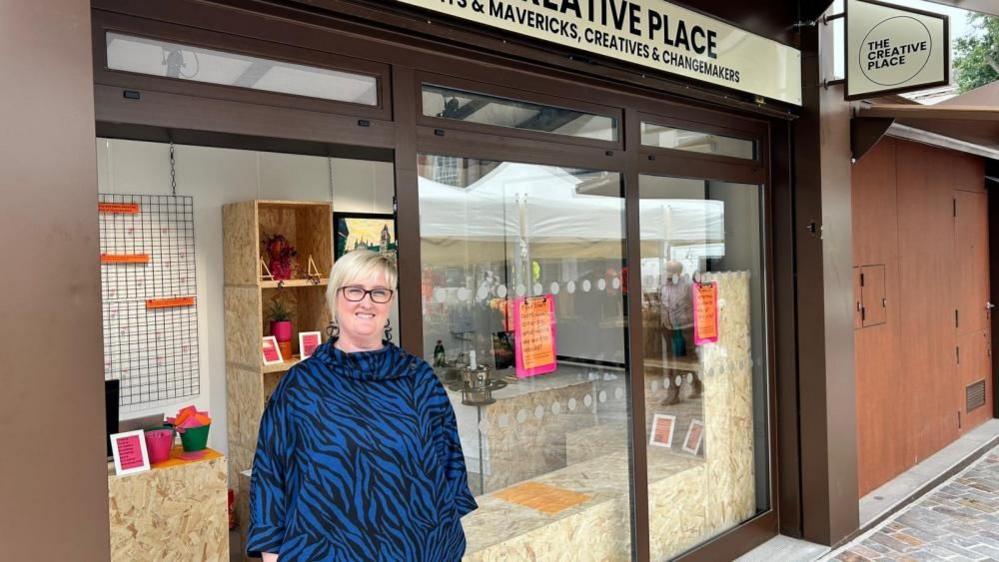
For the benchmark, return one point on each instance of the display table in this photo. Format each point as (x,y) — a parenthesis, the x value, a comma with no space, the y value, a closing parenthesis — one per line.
(175,511)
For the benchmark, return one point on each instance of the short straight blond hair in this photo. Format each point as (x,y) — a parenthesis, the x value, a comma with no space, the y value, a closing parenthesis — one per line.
(357,265)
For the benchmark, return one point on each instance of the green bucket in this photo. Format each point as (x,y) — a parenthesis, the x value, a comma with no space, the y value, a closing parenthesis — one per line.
(195,438)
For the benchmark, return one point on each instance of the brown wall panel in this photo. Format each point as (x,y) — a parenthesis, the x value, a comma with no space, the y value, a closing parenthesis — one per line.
(53,476)
(904,205)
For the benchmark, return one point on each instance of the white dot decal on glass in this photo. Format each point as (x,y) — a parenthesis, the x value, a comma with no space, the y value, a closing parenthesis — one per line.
(587,400)
(618,393)
(440,295)
(504,420)
(521,290)
(602,396)
(586,285)
(481,294)
(616,283)
(571,287)
(678,380)
(554,287)
(463,294)
(539,412)
(572,404)
(537,288)
(655,386)
(501,291)
(521,415)
(556,408)
(601,284)
(483,427)
(690,377)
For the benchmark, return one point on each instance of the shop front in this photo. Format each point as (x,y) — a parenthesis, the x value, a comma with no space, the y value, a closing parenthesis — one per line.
(594,257)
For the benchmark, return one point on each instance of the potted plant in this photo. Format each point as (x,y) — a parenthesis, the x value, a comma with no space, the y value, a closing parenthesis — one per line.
(281,257)
(280,318)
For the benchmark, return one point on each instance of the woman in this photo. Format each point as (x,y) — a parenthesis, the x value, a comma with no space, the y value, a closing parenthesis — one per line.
(358,455)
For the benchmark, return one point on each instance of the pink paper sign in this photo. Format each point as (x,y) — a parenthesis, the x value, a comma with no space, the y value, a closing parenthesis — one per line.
(130,452)
(534,335)
(271,352)
(308,342)
(705,313)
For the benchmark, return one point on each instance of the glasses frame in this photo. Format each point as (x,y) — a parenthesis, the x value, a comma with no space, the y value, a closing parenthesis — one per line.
(370,293)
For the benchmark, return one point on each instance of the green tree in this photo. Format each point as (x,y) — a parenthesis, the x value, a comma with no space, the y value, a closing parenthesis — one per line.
(976,59)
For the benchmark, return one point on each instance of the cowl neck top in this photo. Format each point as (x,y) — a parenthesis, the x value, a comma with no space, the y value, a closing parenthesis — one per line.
(387,363)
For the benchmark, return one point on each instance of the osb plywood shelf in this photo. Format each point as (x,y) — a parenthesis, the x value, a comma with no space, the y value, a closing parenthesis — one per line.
(292,283)
(308,227)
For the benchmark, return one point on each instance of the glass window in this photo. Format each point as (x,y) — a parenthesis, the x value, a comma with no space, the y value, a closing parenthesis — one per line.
(663,136)
(459,105)
(705,360)
(523,318)
(198,64)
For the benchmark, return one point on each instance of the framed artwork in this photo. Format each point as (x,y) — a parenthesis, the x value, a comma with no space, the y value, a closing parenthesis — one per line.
(695,435)
(308,342)
(353,231)
(129,450)
(663,426)
(271,351)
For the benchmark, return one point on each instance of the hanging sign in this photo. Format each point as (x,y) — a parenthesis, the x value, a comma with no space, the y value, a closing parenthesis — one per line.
(651,33)
(890,49)
(705,313)
(534,335)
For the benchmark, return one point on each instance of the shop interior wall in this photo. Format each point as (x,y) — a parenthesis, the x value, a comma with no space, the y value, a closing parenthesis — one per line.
(214,177)
(909,389)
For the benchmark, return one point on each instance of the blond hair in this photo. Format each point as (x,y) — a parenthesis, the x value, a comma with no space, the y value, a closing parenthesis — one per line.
(356,265)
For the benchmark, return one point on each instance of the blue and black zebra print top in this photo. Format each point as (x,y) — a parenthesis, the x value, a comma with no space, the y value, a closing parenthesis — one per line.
(358,459)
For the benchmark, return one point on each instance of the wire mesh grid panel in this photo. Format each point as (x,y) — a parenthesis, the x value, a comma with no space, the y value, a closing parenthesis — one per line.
(148,289)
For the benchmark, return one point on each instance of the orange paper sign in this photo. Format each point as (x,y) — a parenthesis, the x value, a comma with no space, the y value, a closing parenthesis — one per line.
(152,304)
(705,313)
(124,258)
(534,339)
(118,208)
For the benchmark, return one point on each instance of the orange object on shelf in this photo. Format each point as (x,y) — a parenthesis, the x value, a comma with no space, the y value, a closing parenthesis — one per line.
(118,208)
(152,304)
(124,258)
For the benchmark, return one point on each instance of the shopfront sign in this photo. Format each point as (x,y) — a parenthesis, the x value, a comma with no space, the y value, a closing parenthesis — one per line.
(891,49)
(651,33)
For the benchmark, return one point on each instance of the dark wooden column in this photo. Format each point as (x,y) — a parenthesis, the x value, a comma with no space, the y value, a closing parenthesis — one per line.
(823,247)
(53,477)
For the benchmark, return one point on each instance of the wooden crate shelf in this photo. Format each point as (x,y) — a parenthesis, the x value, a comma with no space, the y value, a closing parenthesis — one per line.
(308,226)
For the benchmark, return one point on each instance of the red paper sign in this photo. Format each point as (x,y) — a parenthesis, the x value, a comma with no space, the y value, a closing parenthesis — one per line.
(130,451)
(535,332)
(705,313)
(308,342)
(271,353)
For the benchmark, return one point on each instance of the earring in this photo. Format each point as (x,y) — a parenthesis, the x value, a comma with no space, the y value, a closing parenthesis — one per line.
(332,331)
(388,330)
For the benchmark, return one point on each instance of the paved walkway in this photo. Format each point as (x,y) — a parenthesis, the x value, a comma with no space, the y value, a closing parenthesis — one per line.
(959,521)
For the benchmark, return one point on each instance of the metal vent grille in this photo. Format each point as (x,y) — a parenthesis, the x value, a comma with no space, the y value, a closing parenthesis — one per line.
(975,395)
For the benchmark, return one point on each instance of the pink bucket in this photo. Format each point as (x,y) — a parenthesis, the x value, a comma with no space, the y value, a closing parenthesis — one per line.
(158,444)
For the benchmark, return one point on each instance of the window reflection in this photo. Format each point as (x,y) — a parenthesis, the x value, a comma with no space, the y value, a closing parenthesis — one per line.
(505,244)
(663,136)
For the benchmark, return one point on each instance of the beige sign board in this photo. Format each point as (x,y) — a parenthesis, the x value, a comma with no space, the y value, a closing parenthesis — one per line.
(651,33)
(891,49)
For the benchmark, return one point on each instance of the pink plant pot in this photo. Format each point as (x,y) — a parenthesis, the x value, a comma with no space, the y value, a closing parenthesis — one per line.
(281,330)
(158,444)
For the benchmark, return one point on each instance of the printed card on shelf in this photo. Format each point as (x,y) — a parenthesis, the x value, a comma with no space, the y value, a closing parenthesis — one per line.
(130,455)
(663,426)
(308,342)
(271,351)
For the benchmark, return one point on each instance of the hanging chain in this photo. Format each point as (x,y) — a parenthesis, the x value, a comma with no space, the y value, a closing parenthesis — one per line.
(329,159)
(173,171)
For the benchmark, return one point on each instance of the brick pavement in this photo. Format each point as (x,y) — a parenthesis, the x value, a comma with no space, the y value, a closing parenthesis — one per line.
(958,521)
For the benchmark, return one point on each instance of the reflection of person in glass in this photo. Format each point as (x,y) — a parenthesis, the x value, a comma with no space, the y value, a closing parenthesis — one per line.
(358,456)
(677,310)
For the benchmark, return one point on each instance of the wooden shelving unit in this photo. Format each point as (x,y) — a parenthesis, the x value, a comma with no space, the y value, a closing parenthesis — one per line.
(308,226)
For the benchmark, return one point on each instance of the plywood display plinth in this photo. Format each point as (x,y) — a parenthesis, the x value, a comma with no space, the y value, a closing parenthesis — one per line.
(175,513)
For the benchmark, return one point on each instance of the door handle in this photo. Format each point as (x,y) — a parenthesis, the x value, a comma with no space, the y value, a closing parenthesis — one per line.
(989,306)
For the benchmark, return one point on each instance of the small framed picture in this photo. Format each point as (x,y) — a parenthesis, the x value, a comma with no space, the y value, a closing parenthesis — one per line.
(271,351)
(663,426)
(353,231)
(695,435)
(308,342)
(129,450)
